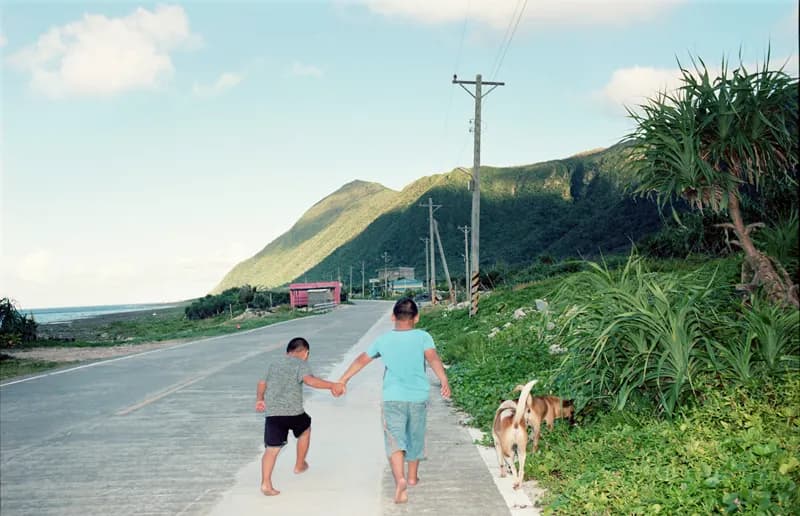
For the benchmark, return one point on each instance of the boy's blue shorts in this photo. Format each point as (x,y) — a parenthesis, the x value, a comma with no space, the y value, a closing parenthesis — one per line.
(404,425)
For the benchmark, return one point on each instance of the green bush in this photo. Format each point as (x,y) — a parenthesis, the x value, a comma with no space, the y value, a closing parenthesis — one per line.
(15,328)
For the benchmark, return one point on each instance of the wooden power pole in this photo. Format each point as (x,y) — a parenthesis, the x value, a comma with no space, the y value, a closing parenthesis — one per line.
(476,184)
(444,263)
(465,230)
(432,285)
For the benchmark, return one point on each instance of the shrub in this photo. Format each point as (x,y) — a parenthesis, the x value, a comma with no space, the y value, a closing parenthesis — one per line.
(15,328)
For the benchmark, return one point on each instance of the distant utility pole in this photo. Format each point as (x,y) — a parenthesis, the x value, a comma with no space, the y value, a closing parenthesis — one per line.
(350,292)
(432,285)
(386,259)
(362,280)
(427,265)
(476,184)
(444,262)
(465,230)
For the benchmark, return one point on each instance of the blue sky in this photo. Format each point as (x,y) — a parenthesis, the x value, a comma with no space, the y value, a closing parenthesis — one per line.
(147,148)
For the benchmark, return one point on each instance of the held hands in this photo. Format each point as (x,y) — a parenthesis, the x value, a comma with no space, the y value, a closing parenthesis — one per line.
(338,389)
(260,406)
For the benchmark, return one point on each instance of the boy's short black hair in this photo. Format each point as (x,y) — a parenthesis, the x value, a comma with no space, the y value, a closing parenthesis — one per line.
(405,309)
(297,343)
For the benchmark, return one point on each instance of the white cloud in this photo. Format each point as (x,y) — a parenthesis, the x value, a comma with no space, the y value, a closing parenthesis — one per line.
(304,70)
(225,81)
(496,13)
(3,41)
(633,86)
(97,55)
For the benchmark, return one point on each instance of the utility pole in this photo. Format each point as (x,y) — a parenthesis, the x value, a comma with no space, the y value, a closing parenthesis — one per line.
(465,230)
(427,265)
(432,285)
(350,292)
(362,280)
(476,184)
(444,263)
(385,272)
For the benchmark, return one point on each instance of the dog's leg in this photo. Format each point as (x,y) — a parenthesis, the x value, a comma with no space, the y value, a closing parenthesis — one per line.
(536,430)
(512,466)
(500,458)
(521,456)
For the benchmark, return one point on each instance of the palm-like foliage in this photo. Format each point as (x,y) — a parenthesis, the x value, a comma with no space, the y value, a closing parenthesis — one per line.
(634,331)
(710,137)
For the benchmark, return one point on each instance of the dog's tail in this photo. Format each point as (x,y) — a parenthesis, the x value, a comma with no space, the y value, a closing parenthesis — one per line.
(523,399)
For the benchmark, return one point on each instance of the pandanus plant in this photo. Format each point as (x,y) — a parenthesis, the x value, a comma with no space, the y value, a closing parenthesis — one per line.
(708,139)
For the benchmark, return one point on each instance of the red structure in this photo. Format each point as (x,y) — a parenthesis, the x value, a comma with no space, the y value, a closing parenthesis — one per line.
(308,294)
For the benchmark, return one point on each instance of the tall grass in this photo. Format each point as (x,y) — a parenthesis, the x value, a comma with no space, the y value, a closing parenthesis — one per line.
(636,333)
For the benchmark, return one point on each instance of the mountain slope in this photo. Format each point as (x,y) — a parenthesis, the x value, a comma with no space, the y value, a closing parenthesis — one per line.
(331,222)
(569,207)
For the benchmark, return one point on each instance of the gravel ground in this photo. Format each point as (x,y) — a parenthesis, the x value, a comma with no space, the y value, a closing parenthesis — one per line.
(58,354)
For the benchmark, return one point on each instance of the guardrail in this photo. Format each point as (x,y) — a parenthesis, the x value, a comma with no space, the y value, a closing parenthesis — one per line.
(323,307)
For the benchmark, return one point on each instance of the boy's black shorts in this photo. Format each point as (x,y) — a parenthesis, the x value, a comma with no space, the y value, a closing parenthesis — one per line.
(276,428)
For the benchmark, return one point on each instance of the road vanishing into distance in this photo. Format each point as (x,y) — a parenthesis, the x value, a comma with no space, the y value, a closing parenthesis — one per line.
(160,432)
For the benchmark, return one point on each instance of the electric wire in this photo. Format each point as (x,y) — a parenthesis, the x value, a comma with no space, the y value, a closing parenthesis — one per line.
(499,63)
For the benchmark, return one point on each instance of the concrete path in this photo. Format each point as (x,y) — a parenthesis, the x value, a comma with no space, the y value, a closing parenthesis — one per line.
(349,473)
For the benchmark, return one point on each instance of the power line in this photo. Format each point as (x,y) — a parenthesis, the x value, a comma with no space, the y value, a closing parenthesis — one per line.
(499,62)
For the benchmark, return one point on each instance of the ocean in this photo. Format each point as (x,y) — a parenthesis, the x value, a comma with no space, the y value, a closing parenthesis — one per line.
(70,313)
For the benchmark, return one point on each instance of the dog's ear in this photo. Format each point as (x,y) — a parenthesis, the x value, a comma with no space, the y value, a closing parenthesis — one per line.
(568,403)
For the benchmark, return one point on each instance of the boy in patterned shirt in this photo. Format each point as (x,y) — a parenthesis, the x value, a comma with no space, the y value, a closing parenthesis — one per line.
(284,408)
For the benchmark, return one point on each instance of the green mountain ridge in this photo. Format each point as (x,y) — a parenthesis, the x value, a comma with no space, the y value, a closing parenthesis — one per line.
(563,208)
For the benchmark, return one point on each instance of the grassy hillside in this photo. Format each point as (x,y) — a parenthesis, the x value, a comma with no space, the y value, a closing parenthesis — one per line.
(561,208)
(327,225)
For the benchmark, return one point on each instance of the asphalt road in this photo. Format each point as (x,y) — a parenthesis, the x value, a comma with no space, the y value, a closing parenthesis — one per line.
(162,432)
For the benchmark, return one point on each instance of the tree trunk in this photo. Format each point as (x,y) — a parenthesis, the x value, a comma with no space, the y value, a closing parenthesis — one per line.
(779,289)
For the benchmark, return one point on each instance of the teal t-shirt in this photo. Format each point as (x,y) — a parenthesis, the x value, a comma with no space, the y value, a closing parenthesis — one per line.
(403,354)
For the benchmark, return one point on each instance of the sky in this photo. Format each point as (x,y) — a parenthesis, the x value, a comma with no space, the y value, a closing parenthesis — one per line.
(146,148)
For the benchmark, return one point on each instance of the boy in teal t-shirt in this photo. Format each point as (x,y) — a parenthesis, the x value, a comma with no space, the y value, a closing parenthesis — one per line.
(404,352)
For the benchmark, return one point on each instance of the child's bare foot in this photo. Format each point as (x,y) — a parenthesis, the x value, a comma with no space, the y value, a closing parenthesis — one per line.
(413,481)
(269,491)
(401,492)
(301,469)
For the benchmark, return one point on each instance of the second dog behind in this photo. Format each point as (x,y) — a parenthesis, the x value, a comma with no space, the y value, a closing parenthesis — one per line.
(510,433)
(547,409)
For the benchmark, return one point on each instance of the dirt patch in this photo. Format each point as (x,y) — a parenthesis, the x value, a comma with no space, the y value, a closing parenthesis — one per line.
(63,354)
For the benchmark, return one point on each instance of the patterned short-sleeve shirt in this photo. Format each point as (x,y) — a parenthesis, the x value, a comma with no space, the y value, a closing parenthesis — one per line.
(284,396)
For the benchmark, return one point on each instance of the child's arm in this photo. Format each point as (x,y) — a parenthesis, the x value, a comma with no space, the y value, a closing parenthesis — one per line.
(358,364)
(260,390)
(438,368)
(336,388)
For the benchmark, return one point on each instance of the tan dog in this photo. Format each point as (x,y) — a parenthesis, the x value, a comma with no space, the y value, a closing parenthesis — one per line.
(548,409)
(510,433)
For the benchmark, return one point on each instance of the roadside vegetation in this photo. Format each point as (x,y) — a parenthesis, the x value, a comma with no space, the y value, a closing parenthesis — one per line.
(688,397)
(683,359)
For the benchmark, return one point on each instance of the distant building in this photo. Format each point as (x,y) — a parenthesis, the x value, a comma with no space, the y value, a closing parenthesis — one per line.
(401,286)
(394,280)
(310,294)
(395,273)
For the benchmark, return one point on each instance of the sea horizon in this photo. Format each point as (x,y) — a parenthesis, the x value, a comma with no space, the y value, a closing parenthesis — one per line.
(63,314)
